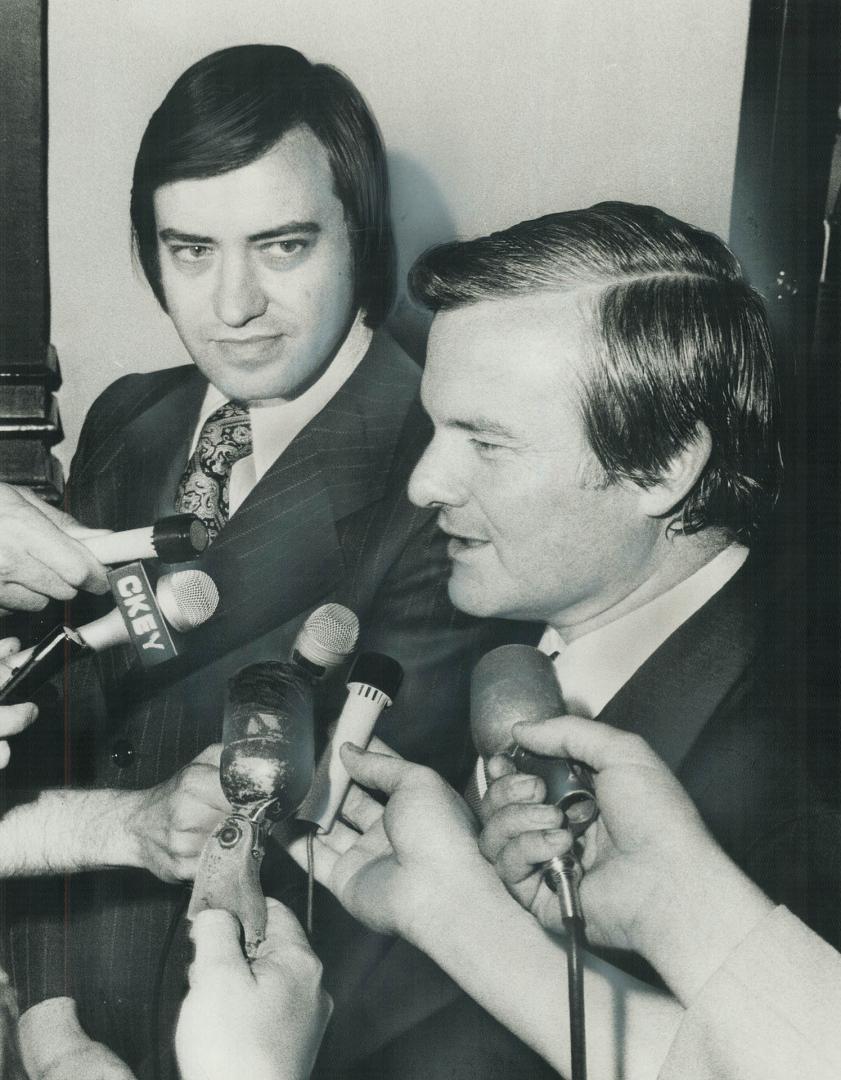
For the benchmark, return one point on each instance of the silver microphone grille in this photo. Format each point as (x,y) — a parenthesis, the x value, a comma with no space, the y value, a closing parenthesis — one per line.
(329,635)
(187,598)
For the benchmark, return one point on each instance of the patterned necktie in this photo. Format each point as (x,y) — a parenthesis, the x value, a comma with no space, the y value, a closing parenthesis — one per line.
(203,488)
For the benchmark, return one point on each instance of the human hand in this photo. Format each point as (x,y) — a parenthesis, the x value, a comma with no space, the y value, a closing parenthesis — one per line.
(263,1019)
(54,1046)
(42,557)
(165,827)
(411,856)
(13,718)
(647,842)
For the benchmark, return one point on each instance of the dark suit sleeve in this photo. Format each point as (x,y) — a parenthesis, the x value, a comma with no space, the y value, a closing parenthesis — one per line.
(36,907)
(798,863)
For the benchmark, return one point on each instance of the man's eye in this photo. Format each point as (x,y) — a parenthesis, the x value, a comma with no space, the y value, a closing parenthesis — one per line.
(485,448)
(282,249)
(190,253)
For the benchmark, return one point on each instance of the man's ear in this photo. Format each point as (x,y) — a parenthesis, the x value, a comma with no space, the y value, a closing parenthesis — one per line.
(679,477)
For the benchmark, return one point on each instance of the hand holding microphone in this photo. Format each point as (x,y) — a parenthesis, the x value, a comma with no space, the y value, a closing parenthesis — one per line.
(43,556)
(655,881)
(183,600)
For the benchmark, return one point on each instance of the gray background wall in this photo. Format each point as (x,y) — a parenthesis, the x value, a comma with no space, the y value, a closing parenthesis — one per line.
(492,110)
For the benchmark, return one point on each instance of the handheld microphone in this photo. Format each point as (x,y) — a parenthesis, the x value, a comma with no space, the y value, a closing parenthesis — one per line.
(265,771)
(183,599)
(325,641)
(174,539)
(372,686)
(515,683)
(269,736)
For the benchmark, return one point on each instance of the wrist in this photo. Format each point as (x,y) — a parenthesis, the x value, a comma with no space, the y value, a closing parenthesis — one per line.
(448,899)
(122,844)
(708,907)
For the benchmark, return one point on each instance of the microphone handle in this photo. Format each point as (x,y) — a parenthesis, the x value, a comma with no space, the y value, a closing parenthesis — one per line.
(43,661)
(356,724)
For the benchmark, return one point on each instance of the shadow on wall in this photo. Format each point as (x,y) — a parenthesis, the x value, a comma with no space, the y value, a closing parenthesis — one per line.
(421,218)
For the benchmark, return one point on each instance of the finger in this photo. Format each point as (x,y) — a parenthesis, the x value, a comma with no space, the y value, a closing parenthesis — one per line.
(379,747)
(596,744)
(282,931)
(5,754)
(60,518)
(9,646)
(325,853)
(360,809)
(514,820)
(526,853)
(209,756)
(14,718)
(69,559)
(40,576)
(216,936)
(514,788)
(16,597)
(498,766)
(379,771)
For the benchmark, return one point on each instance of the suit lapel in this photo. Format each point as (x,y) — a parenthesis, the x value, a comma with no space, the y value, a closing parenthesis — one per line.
(133,466)
(676,691)
(280,553)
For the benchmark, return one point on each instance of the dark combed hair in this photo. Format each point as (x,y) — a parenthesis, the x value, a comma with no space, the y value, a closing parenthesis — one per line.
(679,339)
(232,107)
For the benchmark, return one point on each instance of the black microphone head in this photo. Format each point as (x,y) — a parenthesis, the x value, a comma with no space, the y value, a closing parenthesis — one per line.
(377,670)
(510,684)
(179,538)
(187,598)
(269,737)
(327,638)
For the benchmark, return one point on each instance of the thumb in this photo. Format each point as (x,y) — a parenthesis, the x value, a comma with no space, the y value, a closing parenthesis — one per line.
(379,771)
(216,935)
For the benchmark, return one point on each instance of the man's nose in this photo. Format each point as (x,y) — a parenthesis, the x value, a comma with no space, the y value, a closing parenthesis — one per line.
(239,296)
(436,479)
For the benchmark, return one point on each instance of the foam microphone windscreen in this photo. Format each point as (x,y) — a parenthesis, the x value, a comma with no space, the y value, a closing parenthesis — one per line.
(268,733)
(510,684)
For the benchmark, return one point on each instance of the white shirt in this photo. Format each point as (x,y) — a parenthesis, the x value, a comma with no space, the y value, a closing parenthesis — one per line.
(275,422)
(592,669)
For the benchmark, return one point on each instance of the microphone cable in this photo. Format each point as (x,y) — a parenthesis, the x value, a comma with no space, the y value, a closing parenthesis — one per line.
(562,875)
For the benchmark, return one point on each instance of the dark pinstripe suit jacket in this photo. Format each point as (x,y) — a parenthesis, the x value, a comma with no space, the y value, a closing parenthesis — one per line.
(328,521)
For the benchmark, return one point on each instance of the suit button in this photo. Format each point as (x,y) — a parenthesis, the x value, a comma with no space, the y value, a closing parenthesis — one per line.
(122,753)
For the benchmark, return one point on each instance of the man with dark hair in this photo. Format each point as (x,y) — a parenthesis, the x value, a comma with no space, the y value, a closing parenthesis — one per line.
(602,389)
(261,219)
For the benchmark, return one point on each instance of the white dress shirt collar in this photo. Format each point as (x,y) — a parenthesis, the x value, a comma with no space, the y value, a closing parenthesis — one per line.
(275,422)
(593,668)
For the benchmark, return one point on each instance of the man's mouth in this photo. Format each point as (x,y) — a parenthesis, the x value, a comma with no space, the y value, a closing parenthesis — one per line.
(244,348)
(460,543)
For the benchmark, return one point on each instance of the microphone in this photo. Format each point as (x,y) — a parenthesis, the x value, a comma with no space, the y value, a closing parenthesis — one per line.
(265,771)
(175,539)
(372,686)
(184,599)
(325,641)
(269,736)
(514,683)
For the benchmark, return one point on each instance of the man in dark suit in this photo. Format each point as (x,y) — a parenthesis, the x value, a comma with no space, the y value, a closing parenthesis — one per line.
(260,215)
(602,390)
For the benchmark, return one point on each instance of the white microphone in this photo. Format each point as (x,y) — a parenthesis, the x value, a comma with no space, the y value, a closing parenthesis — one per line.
(174,539)
(372,686)
(185,599)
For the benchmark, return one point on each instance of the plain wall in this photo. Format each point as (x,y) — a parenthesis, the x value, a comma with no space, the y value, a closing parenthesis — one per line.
(492,111)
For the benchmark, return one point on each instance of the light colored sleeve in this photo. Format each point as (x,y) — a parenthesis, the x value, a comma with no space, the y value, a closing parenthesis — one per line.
(772,1011)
